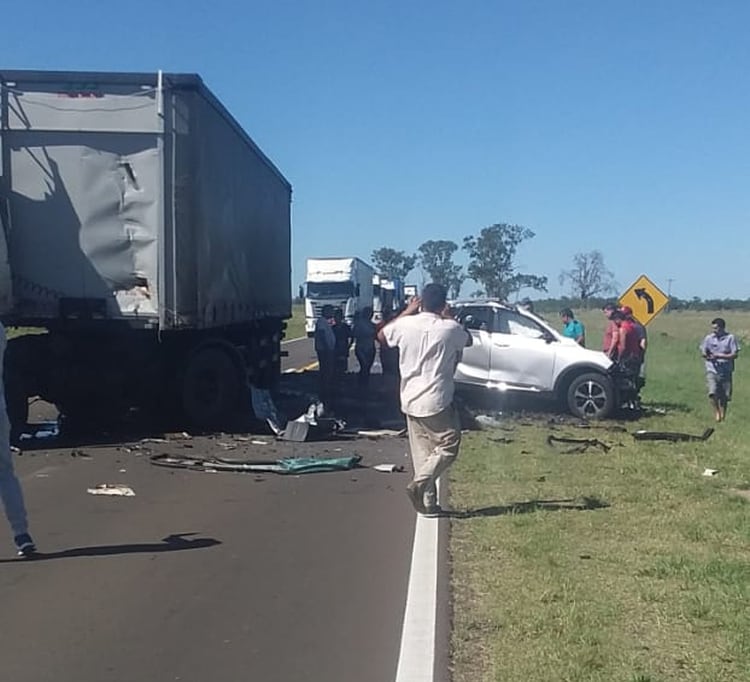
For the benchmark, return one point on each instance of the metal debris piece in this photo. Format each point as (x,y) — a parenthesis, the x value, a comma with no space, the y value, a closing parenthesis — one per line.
(672,436)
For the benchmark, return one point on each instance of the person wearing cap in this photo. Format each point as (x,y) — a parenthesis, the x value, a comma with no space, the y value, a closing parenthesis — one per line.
(639,328)
(572,328)
(628,349)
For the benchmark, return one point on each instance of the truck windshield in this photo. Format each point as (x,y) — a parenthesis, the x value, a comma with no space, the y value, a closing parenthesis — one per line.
(330,289)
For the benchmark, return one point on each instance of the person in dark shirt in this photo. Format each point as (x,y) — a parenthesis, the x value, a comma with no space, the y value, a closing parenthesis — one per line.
(364,333)
(343,335)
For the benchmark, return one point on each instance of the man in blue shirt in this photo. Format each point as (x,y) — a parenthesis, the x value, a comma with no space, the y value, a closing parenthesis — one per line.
(572,328)
(719,349)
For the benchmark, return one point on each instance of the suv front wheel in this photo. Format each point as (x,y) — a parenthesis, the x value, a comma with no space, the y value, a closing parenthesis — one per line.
(591,396)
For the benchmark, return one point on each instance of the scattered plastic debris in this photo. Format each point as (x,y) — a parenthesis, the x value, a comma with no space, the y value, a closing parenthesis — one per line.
(389,468)
(258,442)
(112,489)
(381,433)
(488,421)
(579,445)
(80,454)
(672,436)
(43,430)
(710,472)
(154,440)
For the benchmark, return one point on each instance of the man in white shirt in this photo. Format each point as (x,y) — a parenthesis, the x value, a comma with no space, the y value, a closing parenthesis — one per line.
(430,343)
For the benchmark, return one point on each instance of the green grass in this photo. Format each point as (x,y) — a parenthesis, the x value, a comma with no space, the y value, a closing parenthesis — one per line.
(295,327)
(628,565)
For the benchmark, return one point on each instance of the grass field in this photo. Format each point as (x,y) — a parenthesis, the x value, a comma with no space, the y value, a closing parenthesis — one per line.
(604,566)
(295,327)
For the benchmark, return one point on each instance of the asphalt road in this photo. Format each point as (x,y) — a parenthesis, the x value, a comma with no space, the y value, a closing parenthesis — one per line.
(209,576)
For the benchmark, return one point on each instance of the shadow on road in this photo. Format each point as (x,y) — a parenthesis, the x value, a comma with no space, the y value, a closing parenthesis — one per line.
(577,504)
(171,543)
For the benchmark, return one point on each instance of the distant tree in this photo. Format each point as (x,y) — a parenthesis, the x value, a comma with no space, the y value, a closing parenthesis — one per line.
(492,256)
(455,281)
(393,264)
(436,258)
(588,277)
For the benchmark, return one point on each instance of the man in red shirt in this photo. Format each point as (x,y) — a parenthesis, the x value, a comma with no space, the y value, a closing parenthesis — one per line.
(609,343)
(628,348)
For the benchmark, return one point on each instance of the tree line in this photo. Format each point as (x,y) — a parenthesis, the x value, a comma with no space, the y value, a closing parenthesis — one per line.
(492,264)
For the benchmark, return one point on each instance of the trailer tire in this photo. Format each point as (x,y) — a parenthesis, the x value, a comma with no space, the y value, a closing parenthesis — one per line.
(212,386)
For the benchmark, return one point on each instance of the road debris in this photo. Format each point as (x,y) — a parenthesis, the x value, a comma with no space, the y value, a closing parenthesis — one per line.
(710,472)
(264,409)
(287,465)
(117,489)
(382,433)
(389,468)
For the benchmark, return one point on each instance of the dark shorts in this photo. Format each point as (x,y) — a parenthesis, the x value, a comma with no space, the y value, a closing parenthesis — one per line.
(719,385)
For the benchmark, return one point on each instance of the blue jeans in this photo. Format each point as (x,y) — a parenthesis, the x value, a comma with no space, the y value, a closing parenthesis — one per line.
(10,487)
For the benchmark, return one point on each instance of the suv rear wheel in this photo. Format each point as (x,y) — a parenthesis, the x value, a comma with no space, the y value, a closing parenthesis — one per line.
(591,396)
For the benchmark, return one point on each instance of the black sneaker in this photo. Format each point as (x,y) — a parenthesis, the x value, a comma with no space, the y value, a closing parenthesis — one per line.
(25,545)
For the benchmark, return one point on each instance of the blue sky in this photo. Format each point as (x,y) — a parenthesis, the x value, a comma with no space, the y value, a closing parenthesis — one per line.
(617,126)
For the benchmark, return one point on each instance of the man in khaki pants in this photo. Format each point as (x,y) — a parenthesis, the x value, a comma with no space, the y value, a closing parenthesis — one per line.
(430,343)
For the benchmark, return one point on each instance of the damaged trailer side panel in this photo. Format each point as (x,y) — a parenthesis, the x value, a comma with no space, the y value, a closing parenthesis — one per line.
(139,198)
(150,236)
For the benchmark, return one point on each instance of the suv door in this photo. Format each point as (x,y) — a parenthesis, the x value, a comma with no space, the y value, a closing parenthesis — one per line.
(474,367)
(522,355)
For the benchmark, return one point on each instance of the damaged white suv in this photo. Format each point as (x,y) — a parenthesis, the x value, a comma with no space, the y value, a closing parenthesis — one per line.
(516,351)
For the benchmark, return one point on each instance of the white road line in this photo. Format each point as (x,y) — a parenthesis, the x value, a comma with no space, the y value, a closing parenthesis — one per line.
(416,661)
(299,338)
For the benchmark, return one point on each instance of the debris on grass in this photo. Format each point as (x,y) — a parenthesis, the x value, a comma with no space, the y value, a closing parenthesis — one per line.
(673,436)
(578,445)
